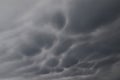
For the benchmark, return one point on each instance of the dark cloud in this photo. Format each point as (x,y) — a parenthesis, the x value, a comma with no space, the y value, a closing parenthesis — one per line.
(79,52)
(59,69)
(63,40)
(35,42)
(86,16)
(43,39)
(29,50)
(63,45)
(52,62)
(43,70)
(59,20)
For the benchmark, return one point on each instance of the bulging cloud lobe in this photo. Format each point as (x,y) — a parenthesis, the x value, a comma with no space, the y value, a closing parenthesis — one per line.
(63,40)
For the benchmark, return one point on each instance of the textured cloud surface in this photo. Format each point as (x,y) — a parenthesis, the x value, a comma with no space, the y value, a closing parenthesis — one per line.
(60,40)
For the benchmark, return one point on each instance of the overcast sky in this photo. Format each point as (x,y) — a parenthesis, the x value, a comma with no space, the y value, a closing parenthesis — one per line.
(59,39)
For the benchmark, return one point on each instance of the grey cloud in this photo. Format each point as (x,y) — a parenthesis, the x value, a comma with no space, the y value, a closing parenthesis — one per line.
(86,16)
(79,52)
(34,43)
(42,45)
(52,62)
(8,67)
(59,49)
(106,46)
(59,20)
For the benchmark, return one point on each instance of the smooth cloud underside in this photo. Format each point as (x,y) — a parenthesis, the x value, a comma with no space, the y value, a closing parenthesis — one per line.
(60,40)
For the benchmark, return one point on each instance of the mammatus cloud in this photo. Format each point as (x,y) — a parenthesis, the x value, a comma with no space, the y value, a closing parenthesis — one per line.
(60,40)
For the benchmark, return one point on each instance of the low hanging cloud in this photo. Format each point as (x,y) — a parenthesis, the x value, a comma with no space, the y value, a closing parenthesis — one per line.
(61,40)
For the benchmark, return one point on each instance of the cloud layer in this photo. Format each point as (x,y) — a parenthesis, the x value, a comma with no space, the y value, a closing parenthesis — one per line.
(60,40)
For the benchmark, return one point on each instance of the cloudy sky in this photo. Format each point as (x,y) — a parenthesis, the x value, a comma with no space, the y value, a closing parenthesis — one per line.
(59,40)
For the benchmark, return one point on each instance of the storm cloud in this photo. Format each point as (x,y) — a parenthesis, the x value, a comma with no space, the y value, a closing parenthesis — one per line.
(60,40)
